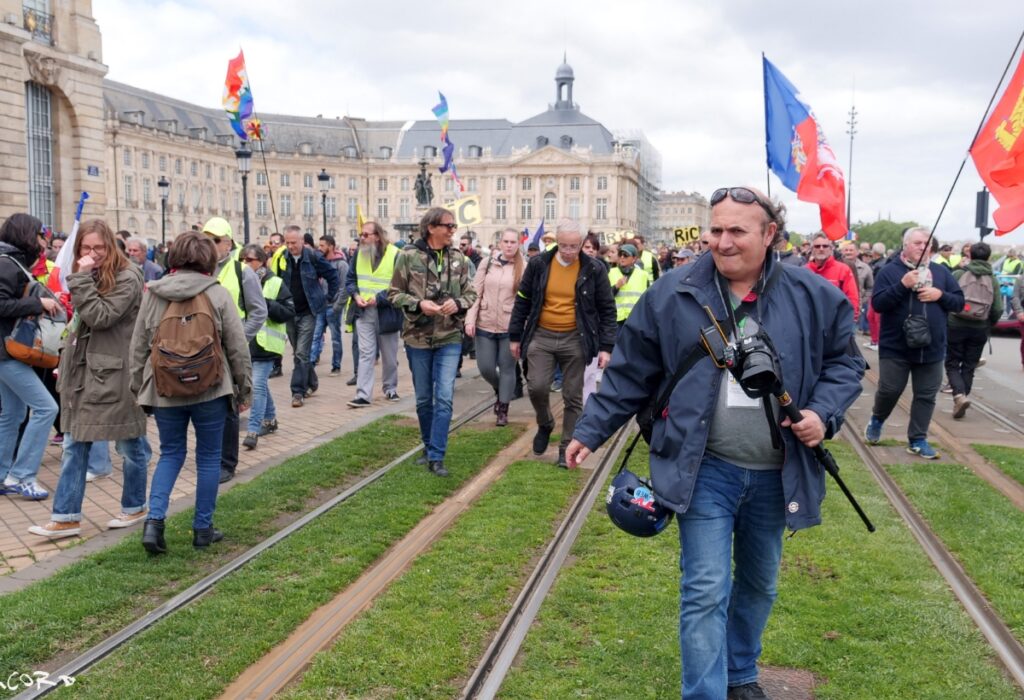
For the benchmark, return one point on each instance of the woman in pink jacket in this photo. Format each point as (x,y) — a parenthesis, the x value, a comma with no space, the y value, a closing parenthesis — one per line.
(497,280)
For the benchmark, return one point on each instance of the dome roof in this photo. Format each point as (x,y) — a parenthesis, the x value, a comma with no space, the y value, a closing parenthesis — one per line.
(564,72)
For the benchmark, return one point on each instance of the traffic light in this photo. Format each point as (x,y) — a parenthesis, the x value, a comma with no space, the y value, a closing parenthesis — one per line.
(981,214)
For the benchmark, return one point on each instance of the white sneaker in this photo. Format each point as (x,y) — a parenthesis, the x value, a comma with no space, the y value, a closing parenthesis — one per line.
(127,520)
(93,476)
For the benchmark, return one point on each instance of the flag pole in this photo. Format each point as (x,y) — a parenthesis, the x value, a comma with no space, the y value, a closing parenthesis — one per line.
(981,125)
(263,155)
(767,168)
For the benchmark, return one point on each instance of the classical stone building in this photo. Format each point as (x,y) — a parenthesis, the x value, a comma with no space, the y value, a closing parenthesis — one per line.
(72,130)
(51,103)
(679,210)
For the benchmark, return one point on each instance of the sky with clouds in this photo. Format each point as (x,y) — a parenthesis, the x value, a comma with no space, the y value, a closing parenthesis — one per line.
(686,73)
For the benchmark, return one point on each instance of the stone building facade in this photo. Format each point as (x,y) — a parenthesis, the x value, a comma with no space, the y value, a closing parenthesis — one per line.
(674,210)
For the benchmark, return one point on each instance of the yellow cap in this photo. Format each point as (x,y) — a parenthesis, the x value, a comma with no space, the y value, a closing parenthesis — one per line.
(217,226)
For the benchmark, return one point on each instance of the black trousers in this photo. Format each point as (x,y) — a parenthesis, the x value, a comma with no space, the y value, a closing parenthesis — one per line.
(229,444)
(963,350)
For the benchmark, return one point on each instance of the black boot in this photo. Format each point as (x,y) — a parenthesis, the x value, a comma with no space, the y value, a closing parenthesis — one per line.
(205,536)
(502,412)
(153,537)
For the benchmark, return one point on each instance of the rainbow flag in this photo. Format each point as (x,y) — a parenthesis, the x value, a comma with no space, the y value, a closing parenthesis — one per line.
(441,112)
(238,103)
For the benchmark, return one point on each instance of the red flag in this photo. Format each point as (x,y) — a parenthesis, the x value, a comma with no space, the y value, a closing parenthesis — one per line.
(998,154)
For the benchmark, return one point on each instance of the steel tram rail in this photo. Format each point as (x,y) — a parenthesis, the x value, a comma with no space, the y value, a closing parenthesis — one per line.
(93,655)
(497,660)
(999,636)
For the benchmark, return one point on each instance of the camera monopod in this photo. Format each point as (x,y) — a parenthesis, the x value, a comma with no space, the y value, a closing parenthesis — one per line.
(823,455)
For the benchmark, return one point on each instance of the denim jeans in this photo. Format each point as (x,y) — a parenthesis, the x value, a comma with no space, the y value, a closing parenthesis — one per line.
(262,402)
(208,423)
(300,335)
(327,319)
(433,379)
(735,515)
(99,458)
(21,390)
(67,501)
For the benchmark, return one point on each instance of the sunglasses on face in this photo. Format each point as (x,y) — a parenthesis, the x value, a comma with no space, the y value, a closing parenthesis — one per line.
(251,260)
(821,246)
(743,196)
(450,227)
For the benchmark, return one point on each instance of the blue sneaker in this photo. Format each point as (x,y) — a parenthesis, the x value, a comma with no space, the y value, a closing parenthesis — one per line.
(30,490)
(873,433)
(921,448)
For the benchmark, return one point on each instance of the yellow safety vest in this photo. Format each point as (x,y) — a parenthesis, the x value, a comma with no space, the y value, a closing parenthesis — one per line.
(1011,267)
(371,281)
(275,260)
(271,337)
(629,294)
(231,282)
(647,258)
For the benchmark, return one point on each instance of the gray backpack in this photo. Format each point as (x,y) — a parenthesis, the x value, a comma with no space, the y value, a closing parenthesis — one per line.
(979,293)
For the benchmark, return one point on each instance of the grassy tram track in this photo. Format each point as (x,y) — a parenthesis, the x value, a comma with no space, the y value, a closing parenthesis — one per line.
(867,614)
(197,651)
(1009,460)
(86,601)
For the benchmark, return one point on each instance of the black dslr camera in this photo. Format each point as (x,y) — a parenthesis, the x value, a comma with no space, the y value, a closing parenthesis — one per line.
(755,364)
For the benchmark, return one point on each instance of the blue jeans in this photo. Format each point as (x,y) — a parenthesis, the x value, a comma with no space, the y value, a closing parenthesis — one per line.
(99,457)
(327,320)
(735,515)
(262,402)
(300,335)
(21,389)
(433,379)
(208,423)
(67,501)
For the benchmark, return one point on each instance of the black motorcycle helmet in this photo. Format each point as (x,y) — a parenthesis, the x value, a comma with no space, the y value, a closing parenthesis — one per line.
(631,506)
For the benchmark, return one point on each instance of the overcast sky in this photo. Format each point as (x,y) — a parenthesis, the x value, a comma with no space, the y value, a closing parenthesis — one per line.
(687,74)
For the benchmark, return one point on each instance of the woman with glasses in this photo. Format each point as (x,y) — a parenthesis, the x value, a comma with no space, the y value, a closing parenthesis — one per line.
(97,403)
(496,282)
(267,347)
(21,389)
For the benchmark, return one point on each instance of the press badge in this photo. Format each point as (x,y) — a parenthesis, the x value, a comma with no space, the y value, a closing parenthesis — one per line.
(735,397)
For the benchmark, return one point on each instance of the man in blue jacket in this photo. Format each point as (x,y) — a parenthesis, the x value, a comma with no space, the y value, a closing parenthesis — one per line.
(301,269)
(902,288)
(714,459)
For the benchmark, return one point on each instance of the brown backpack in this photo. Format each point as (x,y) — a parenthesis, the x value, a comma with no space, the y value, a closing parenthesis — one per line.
(186,353)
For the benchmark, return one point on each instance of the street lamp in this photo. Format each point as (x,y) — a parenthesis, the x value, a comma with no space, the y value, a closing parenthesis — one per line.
(165,189)
(244,157)
(325,184)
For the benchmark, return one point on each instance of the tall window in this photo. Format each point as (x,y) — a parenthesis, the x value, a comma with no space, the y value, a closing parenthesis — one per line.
(181,195)
(261,178)
(223,173)
(500,184)
(261,204)
(449,185)
(307,180)
(351,211)
(195,169)
(404,184)
(209,171)
(602,182)
(146,191)
(574,208)
(352,183)
(526,184)
(127,152)
(308,205)
(549,206)
(501,209)
(286,180)
(177,166)
(162,163)
(574,183)
(332,207)
(601,212)
(403,208)
(382,184)
(286,205)
(40,152)
(145,160)
(382,208)
(471,184)
(129,191)
(526,208)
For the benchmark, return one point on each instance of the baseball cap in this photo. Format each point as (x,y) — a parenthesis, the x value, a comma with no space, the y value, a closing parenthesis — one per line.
(217,226)
(684,253)
(945,246)
(627,249)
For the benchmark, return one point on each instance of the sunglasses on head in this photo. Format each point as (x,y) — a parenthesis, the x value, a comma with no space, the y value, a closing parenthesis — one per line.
(743,196)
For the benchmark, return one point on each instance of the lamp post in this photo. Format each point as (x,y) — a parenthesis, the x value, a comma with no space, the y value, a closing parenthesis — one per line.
(325,183)
(165,189)
(244,157)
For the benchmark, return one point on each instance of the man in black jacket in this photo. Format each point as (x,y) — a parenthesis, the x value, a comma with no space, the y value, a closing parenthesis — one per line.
(564,314)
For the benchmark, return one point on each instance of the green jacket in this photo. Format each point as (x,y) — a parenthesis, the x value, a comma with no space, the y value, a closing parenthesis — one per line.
(979,268)
(417,278)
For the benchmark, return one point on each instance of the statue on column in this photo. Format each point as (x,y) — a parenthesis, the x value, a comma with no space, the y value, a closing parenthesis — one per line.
(424,187)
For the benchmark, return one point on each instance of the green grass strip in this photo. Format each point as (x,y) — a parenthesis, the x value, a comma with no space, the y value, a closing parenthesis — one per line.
(90,599)
(200,650)
(866,613)
(1010,460)
(979,525)
(423,638)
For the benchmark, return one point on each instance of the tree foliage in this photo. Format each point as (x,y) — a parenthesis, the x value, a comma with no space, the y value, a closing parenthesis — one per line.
(888,232)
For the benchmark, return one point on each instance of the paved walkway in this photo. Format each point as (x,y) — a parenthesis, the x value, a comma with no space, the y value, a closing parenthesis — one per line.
(324,416)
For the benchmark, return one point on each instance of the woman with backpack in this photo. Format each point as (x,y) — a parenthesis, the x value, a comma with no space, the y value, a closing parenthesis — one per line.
(21,389)
(496,283)
(189,361)
(97,403)
(968,330)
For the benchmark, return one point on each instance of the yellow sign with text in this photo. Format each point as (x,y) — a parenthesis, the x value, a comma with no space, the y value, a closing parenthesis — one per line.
(687,235)
(466,210)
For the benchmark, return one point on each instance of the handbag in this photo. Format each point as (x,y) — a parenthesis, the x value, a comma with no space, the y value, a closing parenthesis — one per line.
(916,330)
(389,318)
(36,340)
